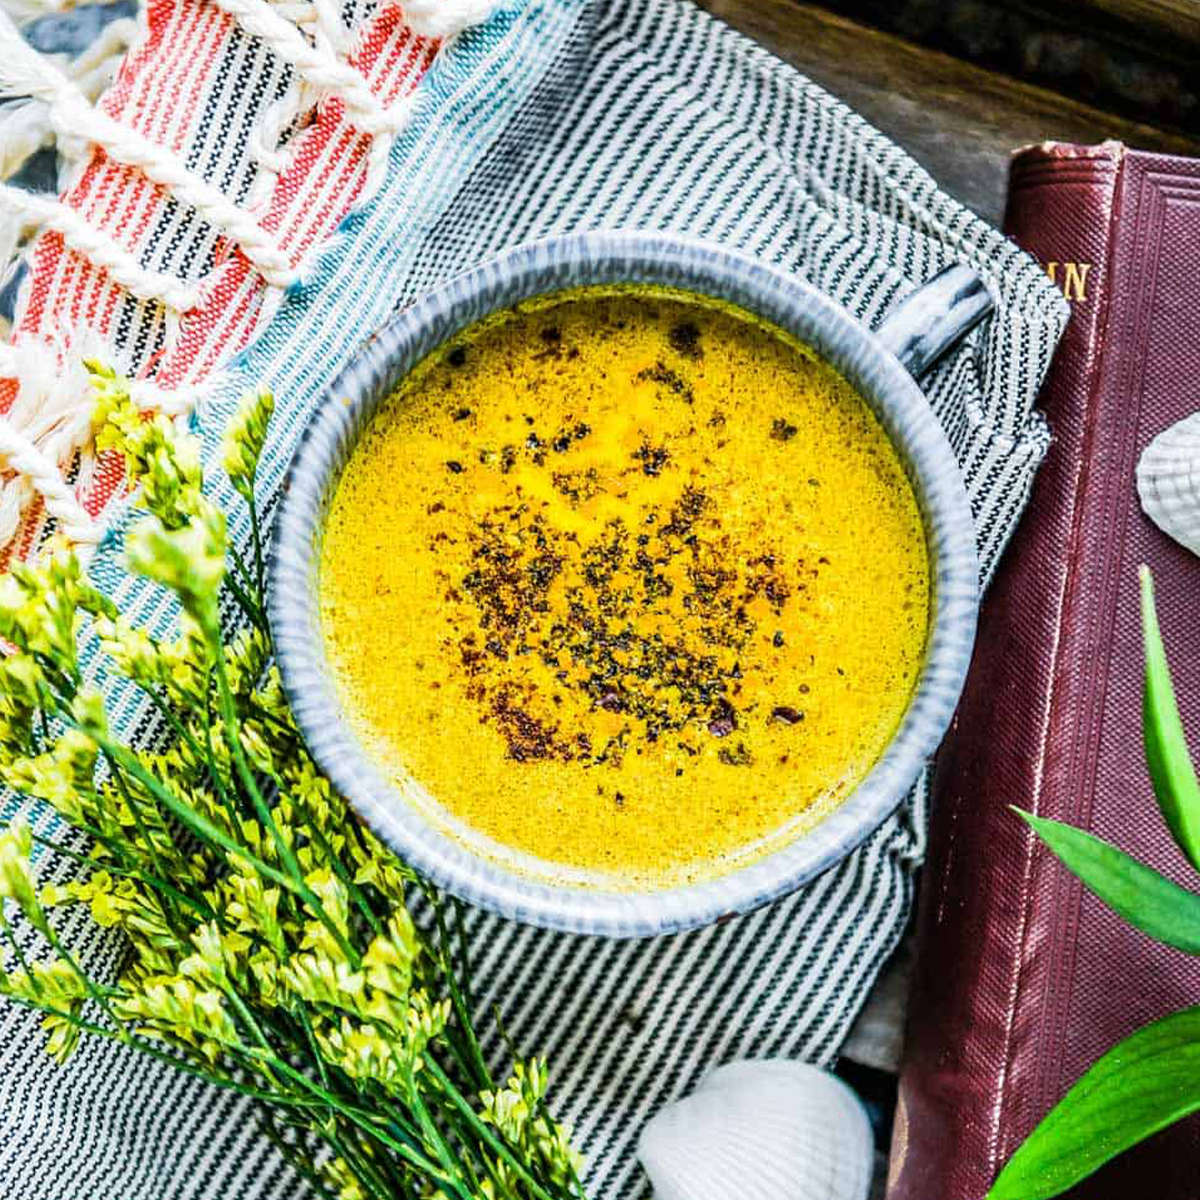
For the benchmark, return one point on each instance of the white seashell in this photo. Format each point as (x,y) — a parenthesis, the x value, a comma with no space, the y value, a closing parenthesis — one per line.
(767,1130)
(1168,481)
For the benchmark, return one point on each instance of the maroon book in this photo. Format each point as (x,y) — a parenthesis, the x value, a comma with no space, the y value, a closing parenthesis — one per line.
(1024,978)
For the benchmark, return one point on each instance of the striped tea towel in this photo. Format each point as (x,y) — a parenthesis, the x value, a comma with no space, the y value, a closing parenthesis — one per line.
(548,116)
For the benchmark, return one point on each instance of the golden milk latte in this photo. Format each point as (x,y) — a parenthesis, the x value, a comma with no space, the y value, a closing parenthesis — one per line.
(627,581)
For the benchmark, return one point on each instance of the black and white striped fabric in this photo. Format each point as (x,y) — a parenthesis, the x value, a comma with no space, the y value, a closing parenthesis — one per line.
(650,114)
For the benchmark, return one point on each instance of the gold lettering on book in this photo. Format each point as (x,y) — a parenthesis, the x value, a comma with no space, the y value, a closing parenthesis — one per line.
(1073,279)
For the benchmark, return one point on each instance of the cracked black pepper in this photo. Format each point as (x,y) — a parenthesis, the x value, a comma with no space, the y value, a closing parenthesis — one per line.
(629,581)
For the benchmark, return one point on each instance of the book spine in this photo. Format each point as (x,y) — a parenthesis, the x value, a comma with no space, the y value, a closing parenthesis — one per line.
(969,1085)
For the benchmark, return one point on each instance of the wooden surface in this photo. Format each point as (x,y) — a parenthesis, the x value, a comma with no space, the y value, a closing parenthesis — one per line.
(1133,57)
(1176,19)
(961,122)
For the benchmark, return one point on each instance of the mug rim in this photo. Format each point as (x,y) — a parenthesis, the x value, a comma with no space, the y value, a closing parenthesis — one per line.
(346,407)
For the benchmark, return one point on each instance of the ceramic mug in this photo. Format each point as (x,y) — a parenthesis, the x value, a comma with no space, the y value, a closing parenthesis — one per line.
(880,364)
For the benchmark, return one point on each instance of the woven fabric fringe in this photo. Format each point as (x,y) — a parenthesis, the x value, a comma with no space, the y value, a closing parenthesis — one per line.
(554,117)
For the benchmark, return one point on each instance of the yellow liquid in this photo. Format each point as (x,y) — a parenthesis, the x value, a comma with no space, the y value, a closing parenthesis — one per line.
(626,581)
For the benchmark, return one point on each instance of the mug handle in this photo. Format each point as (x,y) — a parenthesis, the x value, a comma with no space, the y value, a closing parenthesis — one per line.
(931,321)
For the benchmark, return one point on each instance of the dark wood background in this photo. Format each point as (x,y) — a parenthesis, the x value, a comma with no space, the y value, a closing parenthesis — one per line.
(961,85)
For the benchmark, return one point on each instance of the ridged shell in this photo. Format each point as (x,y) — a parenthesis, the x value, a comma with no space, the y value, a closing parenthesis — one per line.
(1168,481)
(767,1130)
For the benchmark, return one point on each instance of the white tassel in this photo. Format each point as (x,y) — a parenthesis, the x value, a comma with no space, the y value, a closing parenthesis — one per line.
(50,421)
(171,402)
(99,247)
(50,424)
(24,11)
(446,18)
(319,67)
(24,129)
(37,472)
(25,72)
(25,123)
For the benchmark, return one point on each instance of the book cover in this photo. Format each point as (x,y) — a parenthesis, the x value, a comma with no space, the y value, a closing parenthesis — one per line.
(1023,978)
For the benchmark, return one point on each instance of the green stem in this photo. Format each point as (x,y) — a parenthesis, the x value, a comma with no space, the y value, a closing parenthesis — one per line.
(286,729)
(362,1167)
(100,996)
(294,1157)
(243,1011)
(139,821)
(256,535)
(429,1129)
(239,565)
(485,1134)
(210,752)
(246,603)
(247,1017)
(67,685)
(12,941)
(181,731)
(286,853)
(364,1120)
(459,994)
(318,1058)
(339,869)
(143,1047)
(188,816)
(177,727)
(201,906)
(389,1170)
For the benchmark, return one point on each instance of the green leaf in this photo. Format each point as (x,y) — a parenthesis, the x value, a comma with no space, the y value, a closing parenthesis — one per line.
(1171,769)
(1142,1085)
(1142,896)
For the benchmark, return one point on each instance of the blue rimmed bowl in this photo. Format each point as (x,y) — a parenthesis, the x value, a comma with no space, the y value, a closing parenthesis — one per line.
(881,365)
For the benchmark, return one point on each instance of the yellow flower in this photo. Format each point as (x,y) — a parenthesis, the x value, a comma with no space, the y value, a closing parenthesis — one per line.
(16,872)
(245,438)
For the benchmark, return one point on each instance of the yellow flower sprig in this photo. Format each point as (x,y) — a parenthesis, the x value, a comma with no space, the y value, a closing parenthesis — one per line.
(273,949)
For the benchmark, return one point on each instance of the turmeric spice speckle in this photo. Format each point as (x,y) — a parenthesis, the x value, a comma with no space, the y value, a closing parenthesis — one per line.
(629,582)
